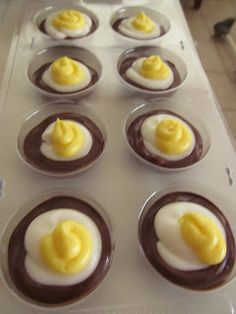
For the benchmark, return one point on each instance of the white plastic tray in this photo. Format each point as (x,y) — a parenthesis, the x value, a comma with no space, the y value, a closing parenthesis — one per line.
(118,182)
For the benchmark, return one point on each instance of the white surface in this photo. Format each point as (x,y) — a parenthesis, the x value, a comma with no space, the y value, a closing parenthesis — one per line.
(118,182)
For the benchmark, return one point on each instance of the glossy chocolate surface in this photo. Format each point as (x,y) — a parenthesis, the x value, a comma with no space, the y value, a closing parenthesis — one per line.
(135,139)
(116,25)
(37,78)
(127,63)
(208,278)
(49,294)
(92,29)
(33,141)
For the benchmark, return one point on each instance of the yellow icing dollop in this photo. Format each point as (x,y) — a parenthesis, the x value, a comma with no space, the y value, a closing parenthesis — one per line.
(204,237)
(66,71)
(143,23)
(67,138)
(67,250)
(68,19)
(154,68)
(173,137)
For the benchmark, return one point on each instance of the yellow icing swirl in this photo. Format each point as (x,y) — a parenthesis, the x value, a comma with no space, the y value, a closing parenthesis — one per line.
(68,249)
(66,71)
(67,138)
(204,237)
(68,19)
(154,68)
(143,23)
(173,137)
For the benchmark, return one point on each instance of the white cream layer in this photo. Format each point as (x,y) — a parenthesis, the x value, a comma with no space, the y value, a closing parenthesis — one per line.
(148,131)
(43,225)
(127,29)
(134,74)
(47,150)
(63,32)
(48,80)
(171,245)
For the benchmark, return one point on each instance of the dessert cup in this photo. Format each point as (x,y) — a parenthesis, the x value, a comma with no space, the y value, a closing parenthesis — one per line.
(180,111)
(41,15)
(59,108)
(40,296)
(131,11)
(49,55)
(127,57)
(188,191)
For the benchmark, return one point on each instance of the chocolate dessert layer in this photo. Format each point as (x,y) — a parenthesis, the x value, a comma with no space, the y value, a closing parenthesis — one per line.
(127,63)
(135,139)
(37,78)
(208,278)
(92,29)
(49,294)
(33,141)
(116,25)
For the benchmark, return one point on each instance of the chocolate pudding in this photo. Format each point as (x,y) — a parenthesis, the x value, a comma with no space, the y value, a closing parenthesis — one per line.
(49,294)
(33,141)
(127,63)
(204,279)
(37,79)
(117,23)
(135,140)
(92,29)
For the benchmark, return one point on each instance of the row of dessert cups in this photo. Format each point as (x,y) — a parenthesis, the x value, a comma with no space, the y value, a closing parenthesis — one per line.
(124,12)
(56,108)
(50,54)
(16,219)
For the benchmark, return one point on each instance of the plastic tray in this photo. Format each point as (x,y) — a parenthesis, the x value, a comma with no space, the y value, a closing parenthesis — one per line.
(118,182)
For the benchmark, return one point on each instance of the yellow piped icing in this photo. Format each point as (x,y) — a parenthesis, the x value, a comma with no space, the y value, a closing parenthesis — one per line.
(67,138)
(68,249)
(143,23)
(173,137)
(154,68)
(66,71)
(204,237)
(69,19)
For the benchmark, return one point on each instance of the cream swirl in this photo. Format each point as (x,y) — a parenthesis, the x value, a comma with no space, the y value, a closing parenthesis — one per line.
(67,17)
(134,73)
(171,244)
(139,27)
(49,79)
(47,147)
(148,132)
(45,224)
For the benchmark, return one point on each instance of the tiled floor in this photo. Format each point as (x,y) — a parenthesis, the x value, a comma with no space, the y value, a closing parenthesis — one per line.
(216,55)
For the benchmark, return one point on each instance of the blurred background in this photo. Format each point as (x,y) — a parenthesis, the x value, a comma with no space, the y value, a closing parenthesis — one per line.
(216,54)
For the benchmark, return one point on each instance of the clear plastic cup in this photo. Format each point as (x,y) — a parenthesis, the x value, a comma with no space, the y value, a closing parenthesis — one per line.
(131,11)
(51,109)
(165,54)
(41,15)
(17,218)
(176,109)
(50,54)
(226,207)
